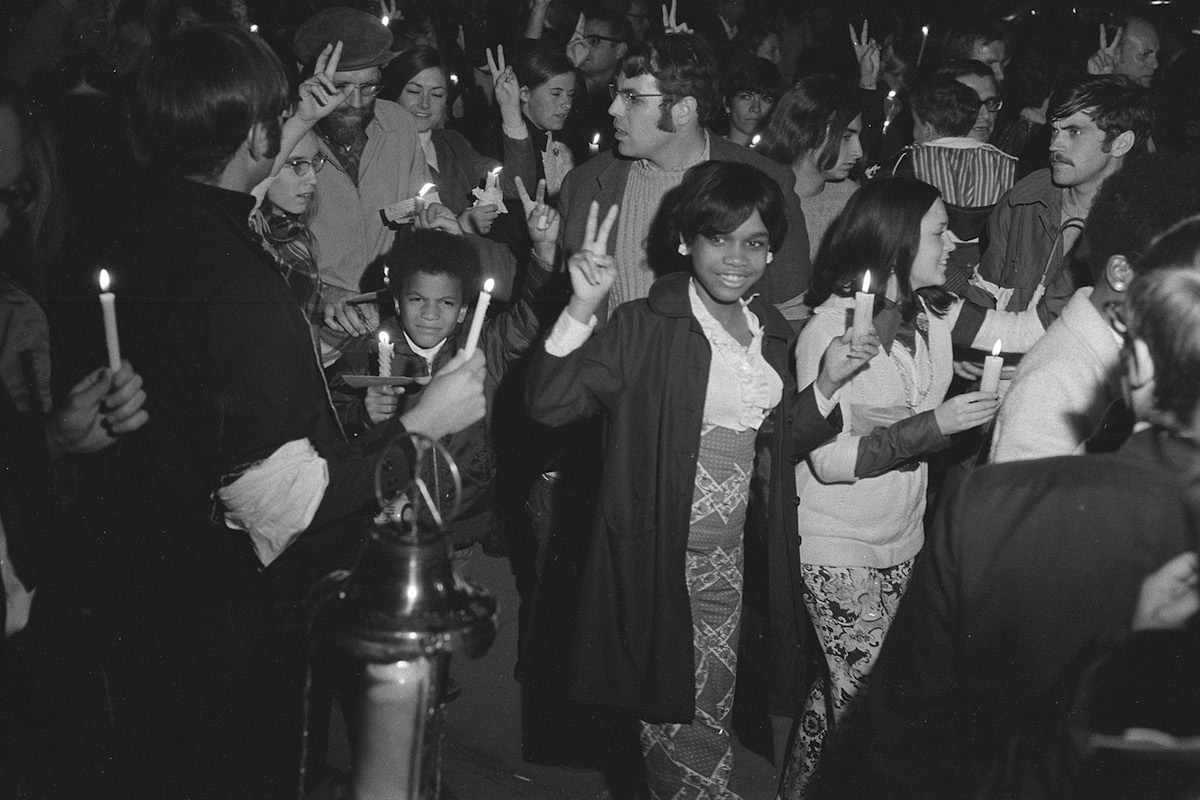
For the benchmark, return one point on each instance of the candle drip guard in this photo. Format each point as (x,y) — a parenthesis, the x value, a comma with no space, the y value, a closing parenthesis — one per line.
(392,623)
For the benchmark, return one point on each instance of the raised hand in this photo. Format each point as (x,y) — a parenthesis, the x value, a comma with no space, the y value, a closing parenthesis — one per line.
(670,24)
(867,53)
(844,358)
(592,270)
(542,221)
(966,411)
(479,219)
(437,216)
(1104,60)
(318,95)
(1168,597)
(506,87)
(578,47)
(101,407)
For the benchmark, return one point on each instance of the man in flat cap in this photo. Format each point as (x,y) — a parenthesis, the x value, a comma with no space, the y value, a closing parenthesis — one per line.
(374,150)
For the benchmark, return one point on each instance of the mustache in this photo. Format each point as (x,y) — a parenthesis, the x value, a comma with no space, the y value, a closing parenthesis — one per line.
(1056,159)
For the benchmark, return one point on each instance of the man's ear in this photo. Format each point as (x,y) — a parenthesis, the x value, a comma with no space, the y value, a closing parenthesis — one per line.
(621,49)
(258,141)
(462,314)
(1122,144)
(684,111)
(1118,273)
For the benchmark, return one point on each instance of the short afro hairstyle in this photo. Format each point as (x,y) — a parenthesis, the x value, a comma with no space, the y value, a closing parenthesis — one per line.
(433,252)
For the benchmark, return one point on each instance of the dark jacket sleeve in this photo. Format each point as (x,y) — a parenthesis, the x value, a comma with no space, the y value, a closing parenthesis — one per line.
(991,266)
(580,384)
(508,335)
(810,430)
(899,445)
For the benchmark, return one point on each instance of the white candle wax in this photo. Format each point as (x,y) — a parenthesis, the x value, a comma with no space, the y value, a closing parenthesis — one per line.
(396,700)
(485,298)
(386,350)
(864,309)
(594,147)
(924,38)
(990,382)
(108,304)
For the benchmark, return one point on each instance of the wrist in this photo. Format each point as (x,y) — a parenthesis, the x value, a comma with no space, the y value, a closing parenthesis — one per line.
(827,386)
(418,421)
(868,85)
(582,310)
(544,252)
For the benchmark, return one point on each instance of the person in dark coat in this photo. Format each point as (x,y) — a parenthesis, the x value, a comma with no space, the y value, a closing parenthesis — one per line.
(1030,567)
(702,424)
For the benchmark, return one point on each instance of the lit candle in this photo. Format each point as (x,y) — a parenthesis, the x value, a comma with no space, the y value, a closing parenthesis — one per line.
(757,138)
(990,382)
(395,703)
(108,304)
(419,200)
(924,37)
(253,28)
(485,298)
(594,147)
(386,349)
(453,79)
(864,309)
(386,20)
(491,194)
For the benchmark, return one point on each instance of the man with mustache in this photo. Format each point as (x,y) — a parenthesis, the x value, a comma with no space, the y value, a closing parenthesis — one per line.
(1097,124)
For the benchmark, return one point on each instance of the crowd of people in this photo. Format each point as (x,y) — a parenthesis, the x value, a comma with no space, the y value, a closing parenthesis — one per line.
(839,388)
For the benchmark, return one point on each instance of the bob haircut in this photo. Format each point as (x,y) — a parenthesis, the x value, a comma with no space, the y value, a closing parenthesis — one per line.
(409,64)
(540,65)
(1114,102)
(878,231)
(949,106)
(199,92)
(751,74)
(433,252)
(1164,312)
(718,196)
(684,66)
(812,114)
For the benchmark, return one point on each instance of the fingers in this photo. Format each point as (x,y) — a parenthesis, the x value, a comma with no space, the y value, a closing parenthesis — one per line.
(601,241)
(500,56)
(865,38)
(1112,48)
(674,12)
(580,25)
(541,191)
(665,21)
(323,59)
(526,200)
(548,217)
(589,235)
(332,64)
(89,390)
(491,62)
(125,384)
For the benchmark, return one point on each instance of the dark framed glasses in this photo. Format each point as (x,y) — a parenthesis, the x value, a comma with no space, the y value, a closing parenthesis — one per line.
(993,104)
(595,39)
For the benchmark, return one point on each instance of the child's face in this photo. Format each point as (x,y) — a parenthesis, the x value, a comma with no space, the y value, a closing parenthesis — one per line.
(431,307)
(727,265)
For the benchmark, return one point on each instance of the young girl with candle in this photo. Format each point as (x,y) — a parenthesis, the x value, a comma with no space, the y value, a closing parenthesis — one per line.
(862,494)
(702,419)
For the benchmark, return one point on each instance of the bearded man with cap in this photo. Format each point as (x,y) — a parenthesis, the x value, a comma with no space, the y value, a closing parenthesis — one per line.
(374,152)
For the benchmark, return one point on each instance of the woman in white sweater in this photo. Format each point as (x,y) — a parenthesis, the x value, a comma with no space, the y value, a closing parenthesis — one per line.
(862,495)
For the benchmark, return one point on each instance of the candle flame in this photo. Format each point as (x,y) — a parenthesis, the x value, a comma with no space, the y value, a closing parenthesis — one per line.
(757,138)
(596,140)
(496,172)
(386,19)
(996,348)
(892,94)
(104,280)
(253,28)
(453,78)
(924,30)
(384,338)
(488,284)
(866,281)
(425,189)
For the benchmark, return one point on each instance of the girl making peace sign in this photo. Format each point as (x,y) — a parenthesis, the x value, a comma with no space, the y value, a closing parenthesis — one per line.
(702,421)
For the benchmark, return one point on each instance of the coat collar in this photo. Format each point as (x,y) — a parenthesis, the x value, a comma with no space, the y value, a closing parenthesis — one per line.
(1035,188)
(669,298)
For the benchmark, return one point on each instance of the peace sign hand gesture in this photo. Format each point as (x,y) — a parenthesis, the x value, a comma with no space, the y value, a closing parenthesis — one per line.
(1104,60)
(507,88)
(592,270)
(867,53)
(541,220)
(578,48)
(318,95)
(670,25)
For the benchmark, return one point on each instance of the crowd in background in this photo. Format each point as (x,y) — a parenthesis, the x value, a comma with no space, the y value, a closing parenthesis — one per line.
(838,390)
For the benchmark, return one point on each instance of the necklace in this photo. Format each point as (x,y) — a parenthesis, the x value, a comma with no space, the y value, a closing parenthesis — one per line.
(912,386)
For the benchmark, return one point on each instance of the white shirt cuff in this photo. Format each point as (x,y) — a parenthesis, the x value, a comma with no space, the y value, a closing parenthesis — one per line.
(825,405)
(568,335)
(516,133)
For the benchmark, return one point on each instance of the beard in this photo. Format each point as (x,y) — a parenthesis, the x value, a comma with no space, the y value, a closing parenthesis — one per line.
(344,125)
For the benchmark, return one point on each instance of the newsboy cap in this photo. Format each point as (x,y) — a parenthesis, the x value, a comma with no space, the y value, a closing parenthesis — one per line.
(366,42)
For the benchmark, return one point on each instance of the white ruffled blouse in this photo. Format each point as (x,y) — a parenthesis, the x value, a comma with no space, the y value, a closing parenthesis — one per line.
(742,386)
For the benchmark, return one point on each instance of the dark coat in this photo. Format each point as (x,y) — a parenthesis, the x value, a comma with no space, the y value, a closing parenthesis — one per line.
(603,179)
(647,370)
(1028,566)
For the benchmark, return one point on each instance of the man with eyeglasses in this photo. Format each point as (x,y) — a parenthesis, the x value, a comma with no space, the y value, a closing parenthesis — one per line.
(1098,124)
(607,34)
(374,151)
(662,99)
(979,77)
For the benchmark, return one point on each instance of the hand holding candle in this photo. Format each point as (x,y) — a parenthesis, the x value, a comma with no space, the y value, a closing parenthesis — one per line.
(386,350)
(485,298)
(108,304)
(490,194)
(864,310)
(990,382)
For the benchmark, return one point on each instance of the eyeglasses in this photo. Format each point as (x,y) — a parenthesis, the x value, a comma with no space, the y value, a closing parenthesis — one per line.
(19,197)
(629,98)
(993,104)
(363,89)
(595,39)
(301,166)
